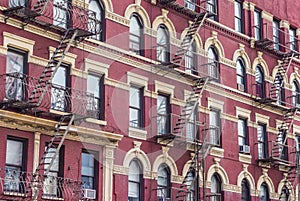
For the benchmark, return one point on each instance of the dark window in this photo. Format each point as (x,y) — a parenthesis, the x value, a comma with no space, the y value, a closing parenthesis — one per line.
(242,132)
(284,196)
(238,16)
(60,94)
(264,192)
(279,84)
(136,108)
(257,25)
(262,141)
(213,63)
(282,145)
(163,183)
(191,59)
(211,6)
(15,165)
(95,94)
(296,94)
(96,20)
(136,35)
(214,127)
(163,114)
(216,188)
(16,69)
(293,39)
(276,34)
(61,14)
(88,170)
(260,83)
(190,4)
(245,190)
(135,181)
(241,75)
(163,44)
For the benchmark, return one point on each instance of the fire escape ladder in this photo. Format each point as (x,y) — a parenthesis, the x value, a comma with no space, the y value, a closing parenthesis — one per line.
(188,39)
(43,83)
(185,186)
(40,6)
(190,106)
(51,152)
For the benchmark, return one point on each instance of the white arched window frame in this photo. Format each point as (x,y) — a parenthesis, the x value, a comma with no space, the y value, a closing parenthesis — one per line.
(163,44)
(135,181)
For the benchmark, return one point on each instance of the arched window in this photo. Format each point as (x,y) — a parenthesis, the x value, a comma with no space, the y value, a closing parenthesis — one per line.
(260,83)
(96,20)
(241,74)
(136,35)
(213,67)
(163,48)
(245,190)
(216,188)
(296,93)
(135,181)
(279,85)
(284,196)
(264,192)
(163,183)
(190,183)
(191,59)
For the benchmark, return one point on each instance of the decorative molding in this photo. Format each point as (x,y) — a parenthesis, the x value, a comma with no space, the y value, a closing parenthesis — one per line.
(241,112)
(216,151)
(12,40)
(164,88)
(267,16)
(117,18)
(137,133)
(136,79)
(245,158)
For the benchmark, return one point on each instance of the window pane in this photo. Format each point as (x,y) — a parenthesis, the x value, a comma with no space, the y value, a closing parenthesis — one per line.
(135,97)
(49,155)
(14,152)
(97,9)
(93,85)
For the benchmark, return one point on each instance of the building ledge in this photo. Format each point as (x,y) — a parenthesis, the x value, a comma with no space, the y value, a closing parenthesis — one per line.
(245,158)
(217,151)
(137,133)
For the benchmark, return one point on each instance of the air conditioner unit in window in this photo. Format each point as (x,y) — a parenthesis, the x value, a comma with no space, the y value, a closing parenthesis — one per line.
(89,193)
(245,149)
(241,87)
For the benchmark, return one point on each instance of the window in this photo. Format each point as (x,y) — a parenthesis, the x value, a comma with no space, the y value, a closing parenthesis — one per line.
(52,185)
(293,39)
(190,4)
(264,192)
(191,186)
(15,165)
(163,183)
(242,133)
(136,107)
(213,64)
(163,113)
(61,16)
(257,25)
(282,145)
(59,93)
(284,196)
(16,3)
(214,127)
(245,191)
(88,170)
(95,90)
(262,141)
(238,16)
(211,6)
(260,84)
(191,59)
(192,126)
(136,35)
(163,49)
(296,94)
(15,75)
(135,181)
(241,75)
(96,20)
(276,35)
(216,188)
(279,86)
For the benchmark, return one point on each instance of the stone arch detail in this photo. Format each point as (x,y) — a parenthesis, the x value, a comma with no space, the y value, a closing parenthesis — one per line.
(137,8)
(246,175)
(141,156)
(240,53)
(186,168)
(213,41)
(163,19)
(260,61)
(216,168)
(165,158)
(265,178)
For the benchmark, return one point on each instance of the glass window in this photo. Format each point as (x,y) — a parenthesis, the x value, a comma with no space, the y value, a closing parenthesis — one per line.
(241,75)
(135,181)
(60,13)
(94,96)
(216,189)
(14,166)
(245,190)
(242,131)
(276,35)
(279,85)
(15,75)
(163,54)
(284,196)
(214,124)
(16,3)
(191,59)
(88,170)
(293,39)
(59,92)
(96,19)
(262,141)
(163,183)
(264,192)
(190,4)
(190,183)
(136,107)
(238,16)
(163,114)
(135,35)
(260,84)
(296,94)
(213,64)
(211,6)
(257,25)
(192,127)
(282,145)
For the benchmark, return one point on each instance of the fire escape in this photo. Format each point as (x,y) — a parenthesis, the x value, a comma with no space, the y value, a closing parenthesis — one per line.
(280,153)
(73,24)
(199,13)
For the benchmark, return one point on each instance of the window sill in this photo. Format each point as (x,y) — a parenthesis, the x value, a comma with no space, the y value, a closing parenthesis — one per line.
(51,198)
(245,158)
(14,194)
(137,133)
(216,151)
(58,112)
(96,121)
